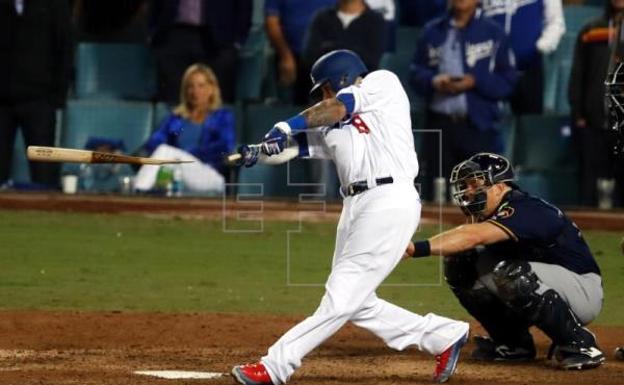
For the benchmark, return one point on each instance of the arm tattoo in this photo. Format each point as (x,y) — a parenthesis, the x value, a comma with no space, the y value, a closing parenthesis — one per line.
(325,113)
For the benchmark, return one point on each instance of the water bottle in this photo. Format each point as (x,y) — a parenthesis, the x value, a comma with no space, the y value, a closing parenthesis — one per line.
(439,190)
(177,184)
(605,193)
(87,179)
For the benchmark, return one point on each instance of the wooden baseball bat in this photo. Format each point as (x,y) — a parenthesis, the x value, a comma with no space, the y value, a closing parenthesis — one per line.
(70,155)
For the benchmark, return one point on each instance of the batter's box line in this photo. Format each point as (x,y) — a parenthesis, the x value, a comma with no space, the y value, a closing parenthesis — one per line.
(254,215)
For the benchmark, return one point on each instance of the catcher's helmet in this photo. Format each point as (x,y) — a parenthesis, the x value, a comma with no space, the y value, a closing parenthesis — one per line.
(471,178)
(339,68)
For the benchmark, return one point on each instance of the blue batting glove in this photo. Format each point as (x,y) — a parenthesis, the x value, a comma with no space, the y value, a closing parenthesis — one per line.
(249,155)
(275,140)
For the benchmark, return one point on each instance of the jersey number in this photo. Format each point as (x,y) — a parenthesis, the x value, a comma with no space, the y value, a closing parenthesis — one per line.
(359,125)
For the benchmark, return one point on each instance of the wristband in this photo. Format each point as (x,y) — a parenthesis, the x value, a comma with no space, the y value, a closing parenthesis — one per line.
(422,249)
(297,123)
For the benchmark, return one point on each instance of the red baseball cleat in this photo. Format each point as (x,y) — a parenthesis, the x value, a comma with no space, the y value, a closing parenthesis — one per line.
(252,374)
(447,361)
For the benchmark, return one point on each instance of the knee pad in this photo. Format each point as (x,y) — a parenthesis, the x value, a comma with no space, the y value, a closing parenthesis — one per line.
(516,283)
(460,271)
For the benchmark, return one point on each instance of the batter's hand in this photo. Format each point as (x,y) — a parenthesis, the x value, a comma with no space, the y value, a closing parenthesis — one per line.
(249,155)
(275,140)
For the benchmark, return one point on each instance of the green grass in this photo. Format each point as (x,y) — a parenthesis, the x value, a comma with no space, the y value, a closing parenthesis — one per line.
(126,262)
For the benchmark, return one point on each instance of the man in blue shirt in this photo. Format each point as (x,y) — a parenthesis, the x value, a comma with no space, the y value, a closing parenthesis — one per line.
(535,28)
(520,263)
(287,23)
(463,67)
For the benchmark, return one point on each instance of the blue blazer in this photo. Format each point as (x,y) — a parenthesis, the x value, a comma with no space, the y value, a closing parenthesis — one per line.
(216,139)
(486,55)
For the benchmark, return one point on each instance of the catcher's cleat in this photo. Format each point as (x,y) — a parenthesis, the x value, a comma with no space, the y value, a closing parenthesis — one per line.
(619,353)
(252,374)
(572,357)
(446,363)
(488,350)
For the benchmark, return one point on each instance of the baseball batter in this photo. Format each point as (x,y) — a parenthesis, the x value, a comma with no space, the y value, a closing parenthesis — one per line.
(363,125)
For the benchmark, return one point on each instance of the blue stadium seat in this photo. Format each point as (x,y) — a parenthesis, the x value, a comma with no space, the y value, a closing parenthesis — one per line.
(112,70)
(578,15)
(544,142)
(276,180)
(161,110)
(555,73)
(563,104)
(545,158)
(559,187)
(551,78)
(130,121)
(19,169)
(252,66)
(399,62)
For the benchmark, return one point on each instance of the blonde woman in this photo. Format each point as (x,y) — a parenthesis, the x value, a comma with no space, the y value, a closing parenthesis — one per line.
(199,129)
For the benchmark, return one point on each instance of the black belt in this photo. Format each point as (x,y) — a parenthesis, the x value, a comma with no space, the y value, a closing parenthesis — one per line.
(359,187)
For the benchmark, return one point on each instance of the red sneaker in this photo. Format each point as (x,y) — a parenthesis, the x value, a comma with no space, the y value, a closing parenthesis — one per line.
(252,374)
(447,361)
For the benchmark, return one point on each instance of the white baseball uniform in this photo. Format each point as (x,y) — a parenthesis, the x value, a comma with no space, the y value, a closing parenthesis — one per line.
(374,229)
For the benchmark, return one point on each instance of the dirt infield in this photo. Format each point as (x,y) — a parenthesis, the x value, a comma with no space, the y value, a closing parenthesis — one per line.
(38,347)
(100,348)
(217,208)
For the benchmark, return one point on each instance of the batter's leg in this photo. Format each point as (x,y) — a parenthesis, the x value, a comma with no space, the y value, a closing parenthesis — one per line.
(373,246)
(400,328)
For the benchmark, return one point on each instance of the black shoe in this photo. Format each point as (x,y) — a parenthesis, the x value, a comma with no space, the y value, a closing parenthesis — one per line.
(488,350)
(572,357)
(619,353)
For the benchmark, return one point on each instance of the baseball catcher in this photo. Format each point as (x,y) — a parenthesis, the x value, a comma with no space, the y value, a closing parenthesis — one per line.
(519,263)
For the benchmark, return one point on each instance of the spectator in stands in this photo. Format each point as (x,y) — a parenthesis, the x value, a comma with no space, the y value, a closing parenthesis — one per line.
(286,24)
(463,67)
(586,89)
(387,9)
(35,63)
(350,25)
(535,29)
(417,13)
(120,21)
(207,31)
(198,129)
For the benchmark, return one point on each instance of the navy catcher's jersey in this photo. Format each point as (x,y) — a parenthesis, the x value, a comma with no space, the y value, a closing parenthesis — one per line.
(540,232)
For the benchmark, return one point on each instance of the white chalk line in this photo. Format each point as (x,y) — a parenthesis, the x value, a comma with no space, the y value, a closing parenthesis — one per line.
(180,374)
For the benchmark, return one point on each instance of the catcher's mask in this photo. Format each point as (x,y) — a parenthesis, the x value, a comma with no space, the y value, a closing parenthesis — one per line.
(471,179)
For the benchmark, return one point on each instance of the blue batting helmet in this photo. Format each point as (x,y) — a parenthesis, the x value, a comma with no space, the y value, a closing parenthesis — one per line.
(339,68)
(477,174)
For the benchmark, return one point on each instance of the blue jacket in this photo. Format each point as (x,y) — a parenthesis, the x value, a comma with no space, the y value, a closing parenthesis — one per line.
(486,56)
(217,137)
(524,26)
